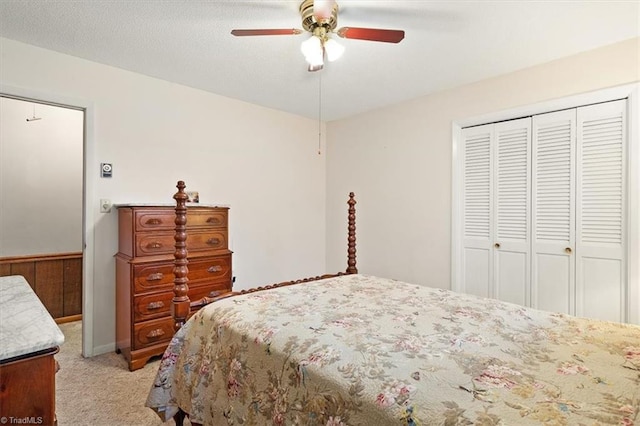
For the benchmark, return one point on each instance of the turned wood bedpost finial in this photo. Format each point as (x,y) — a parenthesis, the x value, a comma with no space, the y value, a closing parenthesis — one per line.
(351,252)
(180,304)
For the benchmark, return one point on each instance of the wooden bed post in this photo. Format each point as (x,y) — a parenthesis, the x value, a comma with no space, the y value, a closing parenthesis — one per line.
(180,305)
(351,251)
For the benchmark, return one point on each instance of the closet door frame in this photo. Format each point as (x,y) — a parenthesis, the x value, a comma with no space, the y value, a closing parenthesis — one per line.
(630,92)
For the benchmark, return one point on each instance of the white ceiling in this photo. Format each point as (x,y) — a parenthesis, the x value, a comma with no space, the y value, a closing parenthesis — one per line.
(447,44)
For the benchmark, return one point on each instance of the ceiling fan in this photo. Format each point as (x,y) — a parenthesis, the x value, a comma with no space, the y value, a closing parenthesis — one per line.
(320,18)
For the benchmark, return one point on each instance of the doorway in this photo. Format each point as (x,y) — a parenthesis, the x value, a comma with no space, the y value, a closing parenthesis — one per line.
(42,152)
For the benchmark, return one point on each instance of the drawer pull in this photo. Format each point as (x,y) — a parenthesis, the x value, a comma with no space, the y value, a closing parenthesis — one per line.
(154,221)
(154,245)
(214,294)
(156,276)
(213,241)
(214,220)
(215,268)
(155,305)
(153,334)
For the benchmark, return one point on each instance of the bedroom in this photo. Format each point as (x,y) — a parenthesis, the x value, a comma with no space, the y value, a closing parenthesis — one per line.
(299,193)
(160,118)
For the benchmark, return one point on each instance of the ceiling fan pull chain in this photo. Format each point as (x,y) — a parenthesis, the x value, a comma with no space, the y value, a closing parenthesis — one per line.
(319,112)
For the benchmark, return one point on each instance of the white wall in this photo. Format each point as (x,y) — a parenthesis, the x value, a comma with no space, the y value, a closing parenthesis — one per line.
(398,161)
(261,162)
(40,179)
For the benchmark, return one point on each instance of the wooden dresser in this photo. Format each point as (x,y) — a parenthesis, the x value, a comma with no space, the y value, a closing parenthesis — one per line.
(29,339)
(144,272)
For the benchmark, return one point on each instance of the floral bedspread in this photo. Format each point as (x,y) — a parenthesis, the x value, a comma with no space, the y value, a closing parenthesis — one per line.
(361,350)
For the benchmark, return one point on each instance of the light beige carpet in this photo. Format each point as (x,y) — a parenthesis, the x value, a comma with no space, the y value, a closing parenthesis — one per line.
(100,391)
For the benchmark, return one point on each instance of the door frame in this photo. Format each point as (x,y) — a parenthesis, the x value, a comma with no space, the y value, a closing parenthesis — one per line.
(89,186)
(629,91)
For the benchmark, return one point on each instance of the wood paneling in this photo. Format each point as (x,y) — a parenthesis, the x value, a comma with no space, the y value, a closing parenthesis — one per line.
(49,285)
(56,279)
(27,270)
(5,270)
(72,287)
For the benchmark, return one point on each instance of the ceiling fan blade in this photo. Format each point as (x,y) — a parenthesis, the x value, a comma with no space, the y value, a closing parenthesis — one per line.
(263,32)
(371,34)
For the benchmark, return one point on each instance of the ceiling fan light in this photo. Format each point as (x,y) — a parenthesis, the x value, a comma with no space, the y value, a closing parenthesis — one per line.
(315,61)
(313,51)
(333,49)
(322,9)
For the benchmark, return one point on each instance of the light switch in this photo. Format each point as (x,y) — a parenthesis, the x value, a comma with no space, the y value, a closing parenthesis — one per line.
(105,206)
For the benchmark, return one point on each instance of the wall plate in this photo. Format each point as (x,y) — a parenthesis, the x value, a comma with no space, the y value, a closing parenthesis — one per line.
(105,206)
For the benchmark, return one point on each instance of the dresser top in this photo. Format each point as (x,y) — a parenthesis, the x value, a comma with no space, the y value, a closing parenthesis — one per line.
(165,205)
(25,324)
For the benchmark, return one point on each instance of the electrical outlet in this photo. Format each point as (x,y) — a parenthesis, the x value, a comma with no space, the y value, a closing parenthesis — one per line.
(105,206)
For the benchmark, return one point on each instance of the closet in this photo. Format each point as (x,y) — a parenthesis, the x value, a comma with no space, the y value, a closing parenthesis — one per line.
(543,211)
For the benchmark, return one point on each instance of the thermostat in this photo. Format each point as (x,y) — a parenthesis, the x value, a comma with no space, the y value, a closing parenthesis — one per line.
(106,170)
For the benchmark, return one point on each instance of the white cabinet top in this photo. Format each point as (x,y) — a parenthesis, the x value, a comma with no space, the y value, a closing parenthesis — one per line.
(25,324)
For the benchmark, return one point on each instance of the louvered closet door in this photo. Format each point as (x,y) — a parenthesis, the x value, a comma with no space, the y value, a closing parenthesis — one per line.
(512,205)
(553,211)
(477,262)
(600,212)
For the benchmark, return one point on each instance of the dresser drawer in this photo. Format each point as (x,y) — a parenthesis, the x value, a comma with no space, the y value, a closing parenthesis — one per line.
(158,305)
(158,276)
(209,240)
(155,219)
(206,218)
(216,268)
(149,333)
(164,243)
(151,306)
(164,219)
(154,244)
(152,276)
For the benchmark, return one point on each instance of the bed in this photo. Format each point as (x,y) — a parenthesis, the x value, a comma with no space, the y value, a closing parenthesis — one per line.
(353,349)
